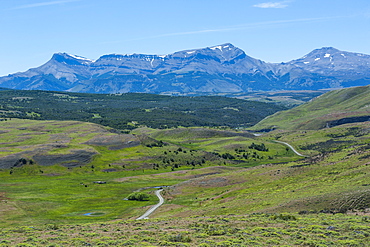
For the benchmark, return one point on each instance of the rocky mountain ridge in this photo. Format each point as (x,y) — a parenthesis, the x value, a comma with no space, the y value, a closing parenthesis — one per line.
(217,69)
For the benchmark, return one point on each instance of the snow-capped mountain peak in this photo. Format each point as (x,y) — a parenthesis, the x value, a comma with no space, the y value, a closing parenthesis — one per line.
(224,47)
(223,53)
(70,59)
(80,58)
(220,68)
(338,64)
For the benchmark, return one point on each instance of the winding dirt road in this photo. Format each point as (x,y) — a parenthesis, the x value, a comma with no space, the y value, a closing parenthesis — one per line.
(292,148)
(154,207)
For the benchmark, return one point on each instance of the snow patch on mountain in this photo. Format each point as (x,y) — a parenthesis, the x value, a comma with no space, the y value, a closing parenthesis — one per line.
(81,58)
(220,68)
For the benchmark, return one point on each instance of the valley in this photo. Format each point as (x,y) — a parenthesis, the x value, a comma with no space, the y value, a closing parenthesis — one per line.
(301,184)
(184,124)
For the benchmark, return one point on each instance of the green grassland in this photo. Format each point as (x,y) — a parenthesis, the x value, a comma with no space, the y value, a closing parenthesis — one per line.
(245,230)
(38,192)
(333,179)
(222,187)
(322,111)
(260,201)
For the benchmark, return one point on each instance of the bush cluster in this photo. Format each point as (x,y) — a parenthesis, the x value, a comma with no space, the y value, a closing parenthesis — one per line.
(138,196)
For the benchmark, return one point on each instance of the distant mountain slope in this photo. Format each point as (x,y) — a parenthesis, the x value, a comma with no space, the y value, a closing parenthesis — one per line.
(222,68)
(330,109)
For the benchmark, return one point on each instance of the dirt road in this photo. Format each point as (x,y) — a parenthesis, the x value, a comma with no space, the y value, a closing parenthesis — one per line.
(153,208)
(292,148)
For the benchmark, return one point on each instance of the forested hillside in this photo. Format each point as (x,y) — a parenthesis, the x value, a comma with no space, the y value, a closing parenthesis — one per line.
(127,111)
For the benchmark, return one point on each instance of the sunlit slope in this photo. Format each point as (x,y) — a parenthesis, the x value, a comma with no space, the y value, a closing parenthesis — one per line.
(334,179)
(330,109)
(66,143)
(74,144)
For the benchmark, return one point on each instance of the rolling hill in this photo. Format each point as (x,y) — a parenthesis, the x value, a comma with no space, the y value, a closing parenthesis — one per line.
(333,108)
(295,203)
(221,187)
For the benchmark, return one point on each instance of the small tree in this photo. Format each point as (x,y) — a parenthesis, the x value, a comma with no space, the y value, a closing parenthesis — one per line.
(138,196)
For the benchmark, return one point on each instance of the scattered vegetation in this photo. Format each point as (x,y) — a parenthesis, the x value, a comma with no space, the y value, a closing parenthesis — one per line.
(226,230)
(129,111)
(65,183)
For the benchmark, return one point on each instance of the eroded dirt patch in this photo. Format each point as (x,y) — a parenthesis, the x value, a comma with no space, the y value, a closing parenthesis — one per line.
(11,160)
(73,159)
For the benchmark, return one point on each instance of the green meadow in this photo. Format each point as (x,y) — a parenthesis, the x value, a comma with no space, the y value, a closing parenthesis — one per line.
(66,183)
(226,230)
(33,193)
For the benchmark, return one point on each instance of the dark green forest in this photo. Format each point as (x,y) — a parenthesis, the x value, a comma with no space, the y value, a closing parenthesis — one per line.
(131,110)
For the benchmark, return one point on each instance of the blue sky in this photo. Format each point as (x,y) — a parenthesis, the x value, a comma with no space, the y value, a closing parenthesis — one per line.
(274,31)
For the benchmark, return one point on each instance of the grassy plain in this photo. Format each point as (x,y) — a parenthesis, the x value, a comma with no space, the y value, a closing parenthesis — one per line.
(34,193)
(227,230)
(260,198)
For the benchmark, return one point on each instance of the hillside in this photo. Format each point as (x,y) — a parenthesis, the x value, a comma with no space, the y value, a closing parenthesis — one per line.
(230,230)
(217,69)
(128,111)
(208,187)
(222,187)
(62,159)
(320,200)
(74,144)
(328,110)
(333,179)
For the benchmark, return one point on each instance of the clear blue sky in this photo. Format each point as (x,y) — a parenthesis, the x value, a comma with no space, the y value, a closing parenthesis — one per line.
(274,31)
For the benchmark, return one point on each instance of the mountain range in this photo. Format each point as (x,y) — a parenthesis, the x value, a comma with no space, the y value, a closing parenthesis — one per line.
(218,69)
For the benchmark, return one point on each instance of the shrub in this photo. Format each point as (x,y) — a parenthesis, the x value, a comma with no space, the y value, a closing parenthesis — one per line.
(179,238)
(204,245)
(138,196)
(259,147)
(284,217)
(52,227)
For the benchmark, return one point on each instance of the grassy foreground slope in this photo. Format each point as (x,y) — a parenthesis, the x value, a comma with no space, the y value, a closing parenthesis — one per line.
(48,168)
(262,230)
(222,187)
(330,109)
(268,205)
(335,178)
